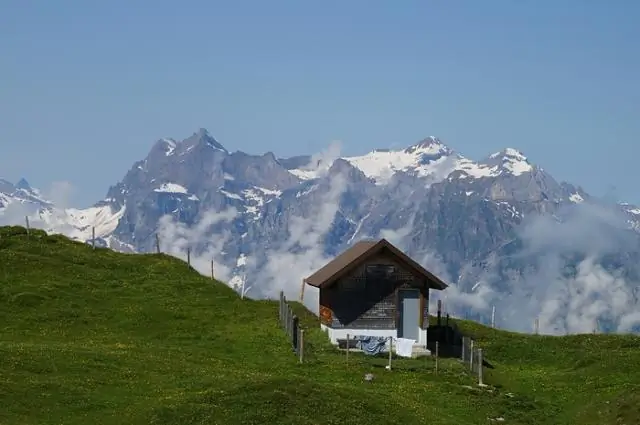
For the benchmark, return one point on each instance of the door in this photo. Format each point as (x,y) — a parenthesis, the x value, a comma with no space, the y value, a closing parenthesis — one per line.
(409,309)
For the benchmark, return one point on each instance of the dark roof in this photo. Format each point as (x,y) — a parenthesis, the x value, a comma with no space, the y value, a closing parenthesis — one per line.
(358,253)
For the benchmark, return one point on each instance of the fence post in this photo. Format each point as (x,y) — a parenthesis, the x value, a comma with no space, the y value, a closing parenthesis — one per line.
(437,352)
(480,366)
(390,351)
(347,348)
(301,347)
(295,322)
(212,276)
(93,237)
(157,244)
(471,355)
(26,218)
(464,348)
(287,322)
(189,257)
(493,316)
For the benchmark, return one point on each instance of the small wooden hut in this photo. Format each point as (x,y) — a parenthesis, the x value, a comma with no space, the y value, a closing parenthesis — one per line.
(374,289)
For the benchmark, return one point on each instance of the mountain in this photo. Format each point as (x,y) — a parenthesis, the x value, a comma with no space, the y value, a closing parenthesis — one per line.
(19,201)
(502,230)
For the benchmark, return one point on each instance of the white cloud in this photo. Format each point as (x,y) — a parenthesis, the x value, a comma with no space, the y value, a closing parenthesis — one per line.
(303,251)
(59,194)
(177,239)
(322,161)
(564,301)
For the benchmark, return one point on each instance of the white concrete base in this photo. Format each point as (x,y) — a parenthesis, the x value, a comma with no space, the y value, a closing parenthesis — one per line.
(336,334)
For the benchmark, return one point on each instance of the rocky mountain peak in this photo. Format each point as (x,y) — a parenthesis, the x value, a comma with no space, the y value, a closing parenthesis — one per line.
(201,138)
(431,146)
(23,184)
(510,160)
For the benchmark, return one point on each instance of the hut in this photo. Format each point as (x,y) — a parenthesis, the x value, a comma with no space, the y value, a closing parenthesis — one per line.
(374,289)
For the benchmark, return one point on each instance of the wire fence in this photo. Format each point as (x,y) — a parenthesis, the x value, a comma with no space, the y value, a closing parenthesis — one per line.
(473,358)
(291,325)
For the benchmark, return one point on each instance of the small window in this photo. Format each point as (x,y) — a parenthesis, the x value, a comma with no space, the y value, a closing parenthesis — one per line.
(380,270)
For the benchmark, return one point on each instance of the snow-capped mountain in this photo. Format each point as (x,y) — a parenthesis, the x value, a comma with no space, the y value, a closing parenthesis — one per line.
(502,230)
(429,159)
(20,201)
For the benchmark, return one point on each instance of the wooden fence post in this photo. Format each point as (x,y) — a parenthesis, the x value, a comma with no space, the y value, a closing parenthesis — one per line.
(212,276)
(301,347)
(390,351)
(26,218)
(189,257)
(286,317)
(480,367)
(347,348)
(471,355)
(295,323)
(287,320)
(281,316)
(437,350)
(93,237)
(157,244)
(493,316)
(464,346)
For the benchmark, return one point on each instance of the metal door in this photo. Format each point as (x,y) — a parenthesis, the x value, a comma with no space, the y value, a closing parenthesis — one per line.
(409,308)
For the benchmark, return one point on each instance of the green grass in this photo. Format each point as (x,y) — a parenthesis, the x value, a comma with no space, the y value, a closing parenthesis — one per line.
(100,337)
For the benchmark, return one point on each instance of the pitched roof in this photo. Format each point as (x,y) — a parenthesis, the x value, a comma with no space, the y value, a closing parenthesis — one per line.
(359,252)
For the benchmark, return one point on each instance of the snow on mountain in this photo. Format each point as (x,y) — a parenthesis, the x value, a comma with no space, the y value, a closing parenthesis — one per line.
(19,201)
(576,197)
(103,219)
(430,159)
(175,189)
(512,161)
(20,193)
(171,188)
(171,146)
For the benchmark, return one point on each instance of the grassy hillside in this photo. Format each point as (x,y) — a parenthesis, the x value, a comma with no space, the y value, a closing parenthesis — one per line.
(577,379)
(104,338)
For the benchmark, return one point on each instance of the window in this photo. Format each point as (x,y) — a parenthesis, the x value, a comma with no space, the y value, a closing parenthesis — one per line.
(380,270)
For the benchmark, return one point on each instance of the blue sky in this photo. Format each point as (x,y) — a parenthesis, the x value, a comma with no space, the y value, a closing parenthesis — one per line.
(87,87)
